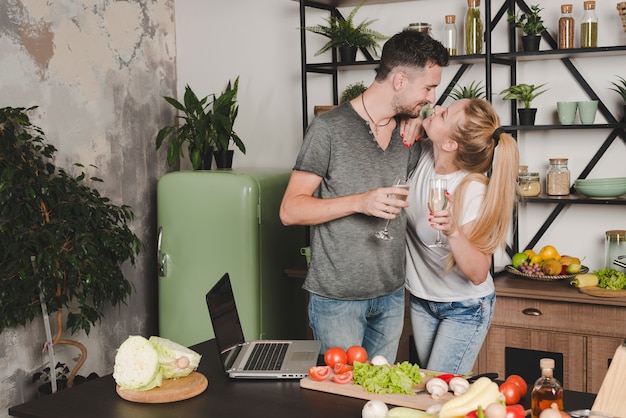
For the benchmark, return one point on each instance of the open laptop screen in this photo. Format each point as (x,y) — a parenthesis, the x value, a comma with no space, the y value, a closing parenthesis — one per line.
(225,319)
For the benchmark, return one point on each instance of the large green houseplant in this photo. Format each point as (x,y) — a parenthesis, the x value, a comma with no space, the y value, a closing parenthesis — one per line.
(524,93)
(62,243)
(192,129)
(344,35)
(222,117)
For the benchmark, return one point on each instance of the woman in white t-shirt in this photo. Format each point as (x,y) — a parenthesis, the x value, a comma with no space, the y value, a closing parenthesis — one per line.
(452,292)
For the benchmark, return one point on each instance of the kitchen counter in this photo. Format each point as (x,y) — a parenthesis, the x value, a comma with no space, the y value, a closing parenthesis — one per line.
(224,397)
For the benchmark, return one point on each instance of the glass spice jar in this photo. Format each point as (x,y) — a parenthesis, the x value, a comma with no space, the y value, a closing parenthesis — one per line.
(566,27)
(473,28)
(589,26)
(449,34)
(528,184)
(557,177)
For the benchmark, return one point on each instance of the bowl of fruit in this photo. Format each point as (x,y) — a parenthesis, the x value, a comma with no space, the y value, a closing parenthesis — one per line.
(546,265)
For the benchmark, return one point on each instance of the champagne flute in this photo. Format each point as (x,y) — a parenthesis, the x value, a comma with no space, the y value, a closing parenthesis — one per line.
(402,182)
(437,201)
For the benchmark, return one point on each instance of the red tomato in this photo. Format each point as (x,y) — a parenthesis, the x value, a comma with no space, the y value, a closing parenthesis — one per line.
(341,368)
(343,377)
(319,373)
(519,381)
(335,355)
(356,353)
(512,393)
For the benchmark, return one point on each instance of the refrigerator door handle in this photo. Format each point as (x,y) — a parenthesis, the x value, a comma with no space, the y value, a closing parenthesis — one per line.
(161,257)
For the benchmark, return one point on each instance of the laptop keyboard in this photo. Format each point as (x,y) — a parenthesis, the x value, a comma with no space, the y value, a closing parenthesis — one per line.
(267,356)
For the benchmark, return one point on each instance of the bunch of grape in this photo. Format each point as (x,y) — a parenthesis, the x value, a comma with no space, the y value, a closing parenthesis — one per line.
(535,269)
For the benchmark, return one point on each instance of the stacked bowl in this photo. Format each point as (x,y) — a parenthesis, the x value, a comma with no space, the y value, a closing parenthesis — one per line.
(606,188)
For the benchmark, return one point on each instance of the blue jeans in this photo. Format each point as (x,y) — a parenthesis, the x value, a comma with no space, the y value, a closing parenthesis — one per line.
(449,335)
(375,324)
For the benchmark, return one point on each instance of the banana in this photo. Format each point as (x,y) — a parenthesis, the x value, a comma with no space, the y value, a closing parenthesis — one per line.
(585,280)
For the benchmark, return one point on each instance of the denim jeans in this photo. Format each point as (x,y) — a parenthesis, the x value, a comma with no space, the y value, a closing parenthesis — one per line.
(375,324)
(449,335)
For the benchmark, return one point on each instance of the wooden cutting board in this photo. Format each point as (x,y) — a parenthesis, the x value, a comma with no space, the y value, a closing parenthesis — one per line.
(421,400)
(603,293)
(611,397)
(171,390)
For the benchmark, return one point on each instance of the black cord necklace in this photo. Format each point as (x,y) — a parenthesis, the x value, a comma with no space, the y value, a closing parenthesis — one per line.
(376,126)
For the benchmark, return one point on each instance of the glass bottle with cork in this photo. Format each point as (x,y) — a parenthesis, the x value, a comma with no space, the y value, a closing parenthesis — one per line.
(566,27)
(449,34)
(473,28)
(547,390)
(589,26)
(557,177)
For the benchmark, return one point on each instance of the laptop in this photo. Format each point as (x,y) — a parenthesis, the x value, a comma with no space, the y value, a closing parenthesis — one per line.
(277,359)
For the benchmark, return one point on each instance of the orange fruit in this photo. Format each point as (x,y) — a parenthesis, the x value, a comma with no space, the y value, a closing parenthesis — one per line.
(549,252)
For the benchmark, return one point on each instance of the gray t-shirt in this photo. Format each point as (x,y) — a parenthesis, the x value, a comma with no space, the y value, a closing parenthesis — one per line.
(347,261)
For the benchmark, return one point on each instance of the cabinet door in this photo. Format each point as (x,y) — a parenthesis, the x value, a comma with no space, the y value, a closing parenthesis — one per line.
(492,358)
(600,352)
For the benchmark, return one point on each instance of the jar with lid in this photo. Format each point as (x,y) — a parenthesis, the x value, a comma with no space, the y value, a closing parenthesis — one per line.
(589,26)
(615,250)
(528,184)
(557,177)
(547,389)
(421,27)
(449,34)
(473,28)
(566,27)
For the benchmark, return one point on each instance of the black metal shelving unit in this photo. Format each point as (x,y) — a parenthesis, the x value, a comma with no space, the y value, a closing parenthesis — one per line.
(616,128)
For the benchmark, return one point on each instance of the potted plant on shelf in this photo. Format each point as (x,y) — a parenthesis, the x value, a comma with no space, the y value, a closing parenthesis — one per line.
(620,88)
(531,24)
(352,91)
(347,37)
(194,132)
(474,90)
(62,243)
(525,93)
(222,117)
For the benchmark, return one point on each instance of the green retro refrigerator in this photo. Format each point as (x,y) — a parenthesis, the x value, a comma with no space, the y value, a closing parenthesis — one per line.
(226,221)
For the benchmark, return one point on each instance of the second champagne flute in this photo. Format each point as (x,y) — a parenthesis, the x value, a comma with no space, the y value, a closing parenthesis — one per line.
(437,201)
(400,181)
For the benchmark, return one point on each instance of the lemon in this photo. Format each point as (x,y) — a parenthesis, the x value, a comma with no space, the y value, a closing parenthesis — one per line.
(573,268)
(549,252)
(519,259)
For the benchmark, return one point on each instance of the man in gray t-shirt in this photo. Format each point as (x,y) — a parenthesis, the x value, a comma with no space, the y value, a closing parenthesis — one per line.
(341,186)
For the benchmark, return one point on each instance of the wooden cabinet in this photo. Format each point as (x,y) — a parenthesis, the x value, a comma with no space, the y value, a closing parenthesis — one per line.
(552,317)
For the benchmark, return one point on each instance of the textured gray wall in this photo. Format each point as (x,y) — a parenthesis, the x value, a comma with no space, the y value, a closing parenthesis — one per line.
(97,69)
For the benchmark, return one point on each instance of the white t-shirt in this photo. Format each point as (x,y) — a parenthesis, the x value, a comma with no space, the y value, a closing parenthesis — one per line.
(425,265)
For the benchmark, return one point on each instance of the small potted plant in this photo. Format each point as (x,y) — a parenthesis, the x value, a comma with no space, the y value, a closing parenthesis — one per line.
(222,117)
(352,91)
(620,88)
(474,90)
(531,24)
(194,132)
(347,37)
(525,93)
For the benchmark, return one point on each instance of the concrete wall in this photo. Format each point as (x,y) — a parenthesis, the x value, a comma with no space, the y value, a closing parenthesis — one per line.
(97,70)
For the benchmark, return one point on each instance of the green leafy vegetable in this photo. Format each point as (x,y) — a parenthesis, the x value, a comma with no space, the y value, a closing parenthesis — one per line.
(176,360)
(400,378)
(611,279)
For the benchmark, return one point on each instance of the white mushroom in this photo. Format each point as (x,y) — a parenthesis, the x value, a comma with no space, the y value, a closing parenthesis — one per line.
(436,387)
(459,385)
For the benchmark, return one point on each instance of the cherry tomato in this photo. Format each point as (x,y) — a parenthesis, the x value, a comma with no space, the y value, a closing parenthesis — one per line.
(343,378)
(519,381)
(319,373)
(335,355)
(356,353)
(512,393)
(341,368)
